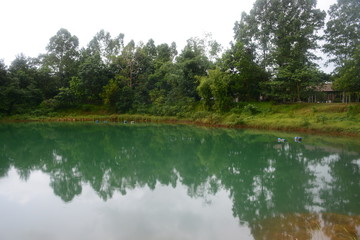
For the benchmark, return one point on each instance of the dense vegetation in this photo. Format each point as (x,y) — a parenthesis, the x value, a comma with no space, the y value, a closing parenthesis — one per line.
(271,59)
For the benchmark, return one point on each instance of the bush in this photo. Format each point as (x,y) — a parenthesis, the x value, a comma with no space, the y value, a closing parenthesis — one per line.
(251,109)
(200,115)
(234,119)
(267,111)
(305,122)
(353,110)
(236,110)
(322,119)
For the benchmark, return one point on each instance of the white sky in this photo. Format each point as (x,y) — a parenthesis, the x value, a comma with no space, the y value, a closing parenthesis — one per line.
(27,25)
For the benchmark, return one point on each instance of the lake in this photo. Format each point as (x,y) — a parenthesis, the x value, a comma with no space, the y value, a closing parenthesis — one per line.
(148,181)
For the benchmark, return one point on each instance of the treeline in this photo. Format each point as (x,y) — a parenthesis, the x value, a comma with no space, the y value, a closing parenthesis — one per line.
(272,58)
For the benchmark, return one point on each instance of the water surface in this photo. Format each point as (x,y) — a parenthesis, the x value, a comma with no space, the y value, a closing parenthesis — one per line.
(115,181)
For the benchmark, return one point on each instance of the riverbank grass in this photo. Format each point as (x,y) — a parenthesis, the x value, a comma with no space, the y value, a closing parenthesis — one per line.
(341,119)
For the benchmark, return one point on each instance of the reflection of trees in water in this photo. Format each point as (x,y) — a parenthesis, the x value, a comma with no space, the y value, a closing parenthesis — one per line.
(264,178)
(308,226)
(339,190)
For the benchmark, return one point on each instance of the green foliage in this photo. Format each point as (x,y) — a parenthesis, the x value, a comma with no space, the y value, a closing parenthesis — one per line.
(322,118)
(110,93)
(105,46)
(342,34)
(270,59)
(348,78)
(72,95)
(305,122)
(214,90)
(204,90)
(62,56)
(93,75)
(118,95)
(234,119)
(19,91)
(181,108)
(199,115)
(193,62)
(342,31)
(251,109)
(297,81)
(353,110)
(282,33)
(246,74)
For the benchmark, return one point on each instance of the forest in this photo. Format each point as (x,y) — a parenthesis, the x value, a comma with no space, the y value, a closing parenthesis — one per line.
(272,58)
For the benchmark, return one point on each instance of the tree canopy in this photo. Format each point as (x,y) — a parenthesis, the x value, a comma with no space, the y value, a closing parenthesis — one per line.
(270,59)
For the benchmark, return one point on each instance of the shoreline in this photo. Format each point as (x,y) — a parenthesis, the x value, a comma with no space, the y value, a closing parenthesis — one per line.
(327,131)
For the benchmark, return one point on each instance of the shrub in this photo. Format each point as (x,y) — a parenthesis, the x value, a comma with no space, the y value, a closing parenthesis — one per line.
(200,115)
(305,122)
(251,109)
(234,119)
(267,111)
(353,110)
(322,119)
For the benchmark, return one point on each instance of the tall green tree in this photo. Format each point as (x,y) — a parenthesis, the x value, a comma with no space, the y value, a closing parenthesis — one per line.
(246,75)
(215,90)
(127,64)
(93,75)
(283,33)
(348,77)
(3,84)
(62,56)
(145,56)
(193,62)
(342,33)
(106,46)
(3,73)
(118,95)
(20,91)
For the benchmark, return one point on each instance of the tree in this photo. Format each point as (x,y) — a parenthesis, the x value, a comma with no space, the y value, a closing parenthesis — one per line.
(93,75)
(246,74)
(118,95)
(215,90)
(205,91)
(342,33)
(343,44)
(283,33)
(3,73)
(105,46)
(348,78)
(126,63)
(3,83)
(62,56)
(20,90)
(193,62)
(145,57)
(72,95)
(164,54)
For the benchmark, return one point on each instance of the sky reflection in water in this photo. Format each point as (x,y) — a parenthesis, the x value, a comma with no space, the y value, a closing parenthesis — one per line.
(33,212)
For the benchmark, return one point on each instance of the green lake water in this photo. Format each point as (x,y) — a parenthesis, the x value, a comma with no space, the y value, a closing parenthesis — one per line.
(115,181)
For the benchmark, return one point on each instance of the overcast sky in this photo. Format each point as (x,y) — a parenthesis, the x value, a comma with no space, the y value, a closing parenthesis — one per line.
(27,25)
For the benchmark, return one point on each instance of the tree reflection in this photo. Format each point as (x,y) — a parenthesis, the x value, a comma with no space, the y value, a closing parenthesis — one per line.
(309,226)
(265,179)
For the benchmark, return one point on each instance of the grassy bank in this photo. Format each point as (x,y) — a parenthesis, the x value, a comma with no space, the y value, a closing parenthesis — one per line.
(340,119)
